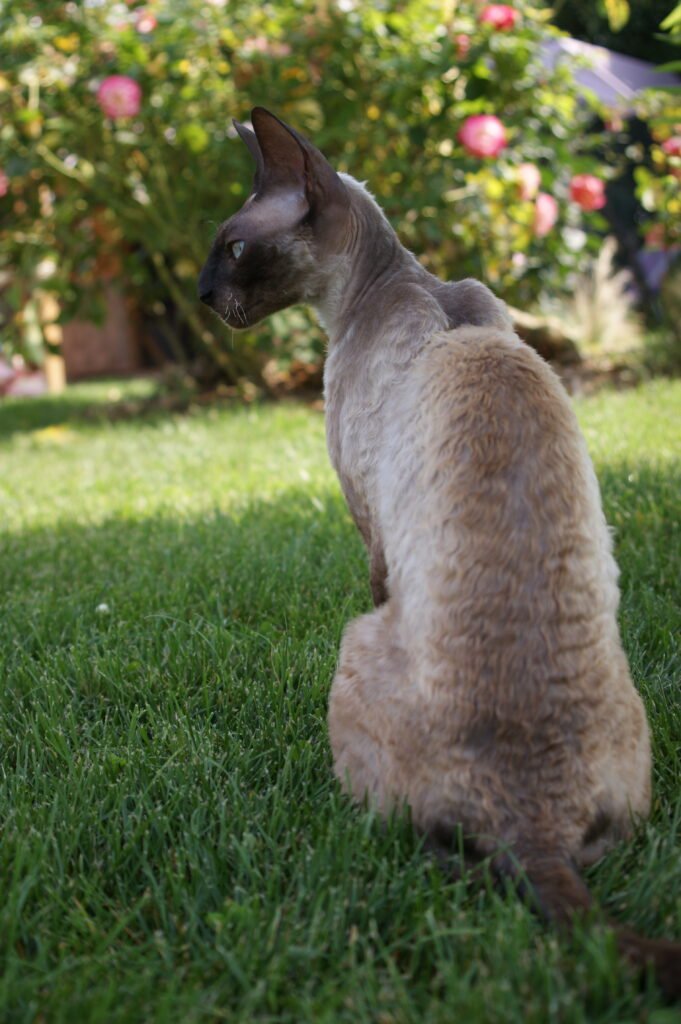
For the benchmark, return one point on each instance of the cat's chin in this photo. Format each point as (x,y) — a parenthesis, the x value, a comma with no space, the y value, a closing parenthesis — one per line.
(242,320)
(239,320)
(237,325)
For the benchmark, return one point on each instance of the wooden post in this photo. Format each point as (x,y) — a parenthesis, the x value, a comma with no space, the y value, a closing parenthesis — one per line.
(55,368)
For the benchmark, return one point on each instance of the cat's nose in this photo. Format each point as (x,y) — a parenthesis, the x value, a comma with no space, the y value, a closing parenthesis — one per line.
(206,281)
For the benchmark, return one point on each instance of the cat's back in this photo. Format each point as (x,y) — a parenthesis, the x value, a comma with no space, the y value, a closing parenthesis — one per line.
(496,414)
(502,582)
(482,413)
(491,509)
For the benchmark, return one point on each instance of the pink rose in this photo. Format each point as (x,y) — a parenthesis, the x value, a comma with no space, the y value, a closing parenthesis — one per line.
(145,23)
(672,147)
(545,214)
(529,180)
(268,47)
(255,44)
(499,16)
(462,44)
(119,96)
(4,184)
(587,191)
(482,135)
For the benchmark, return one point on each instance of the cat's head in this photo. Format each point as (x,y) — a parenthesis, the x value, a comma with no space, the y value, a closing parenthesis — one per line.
(272,253)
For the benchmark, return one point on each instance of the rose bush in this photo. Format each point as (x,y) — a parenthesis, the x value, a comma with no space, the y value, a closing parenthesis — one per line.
(658,178)
(659,192)
(120,160)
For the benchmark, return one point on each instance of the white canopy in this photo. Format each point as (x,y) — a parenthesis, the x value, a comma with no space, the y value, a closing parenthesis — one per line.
(614,78)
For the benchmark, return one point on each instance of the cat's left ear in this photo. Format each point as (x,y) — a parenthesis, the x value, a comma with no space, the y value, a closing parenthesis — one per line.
(291,161)
(251,142)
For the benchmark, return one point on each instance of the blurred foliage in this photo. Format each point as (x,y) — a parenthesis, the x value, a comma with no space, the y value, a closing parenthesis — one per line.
(658,189)
(381,88)
(626,26)
(658,181)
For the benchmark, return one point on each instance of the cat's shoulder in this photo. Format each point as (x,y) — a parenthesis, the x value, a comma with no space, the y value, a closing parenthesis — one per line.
(470,302)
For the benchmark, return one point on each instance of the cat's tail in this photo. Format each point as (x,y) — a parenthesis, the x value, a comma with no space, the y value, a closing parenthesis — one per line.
(550,883)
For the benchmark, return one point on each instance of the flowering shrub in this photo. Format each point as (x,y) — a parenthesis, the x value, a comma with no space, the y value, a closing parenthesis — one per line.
(118,160)
(658,180)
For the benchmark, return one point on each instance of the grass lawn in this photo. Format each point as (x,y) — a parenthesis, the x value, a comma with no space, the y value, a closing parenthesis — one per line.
(174,848)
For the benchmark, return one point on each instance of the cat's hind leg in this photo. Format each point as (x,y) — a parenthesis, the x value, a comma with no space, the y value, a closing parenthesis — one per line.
(377,739)
(366,713)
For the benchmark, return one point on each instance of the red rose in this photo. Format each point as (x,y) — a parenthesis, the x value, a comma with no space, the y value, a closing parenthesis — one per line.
(587,191)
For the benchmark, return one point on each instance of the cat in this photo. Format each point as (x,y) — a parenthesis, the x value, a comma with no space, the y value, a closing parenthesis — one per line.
(488,689)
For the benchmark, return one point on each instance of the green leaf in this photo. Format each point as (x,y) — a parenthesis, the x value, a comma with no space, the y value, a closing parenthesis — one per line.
(617,12)
(194,136)
(672,20)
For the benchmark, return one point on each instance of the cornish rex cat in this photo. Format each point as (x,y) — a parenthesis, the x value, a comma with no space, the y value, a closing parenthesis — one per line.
(488,689)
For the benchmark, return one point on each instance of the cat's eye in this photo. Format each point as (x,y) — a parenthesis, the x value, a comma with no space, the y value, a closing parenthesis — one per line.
(237,248)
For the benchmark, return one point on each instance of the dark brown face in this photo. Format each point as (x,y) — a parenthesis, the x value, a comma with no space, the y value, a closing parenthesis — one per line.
(266,256)
(254,267)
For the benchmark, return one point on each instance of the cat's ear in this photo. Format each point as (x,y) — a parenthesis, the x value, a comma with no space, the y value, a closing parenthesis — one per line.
(248,137)
(283,160)
(290,160)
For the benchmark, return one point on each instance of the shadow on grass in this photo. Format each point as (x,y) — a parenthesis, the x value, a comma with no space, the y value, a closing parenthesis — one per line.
(292,563)
(295,565)
(18,415)
(271,556)
(136,398)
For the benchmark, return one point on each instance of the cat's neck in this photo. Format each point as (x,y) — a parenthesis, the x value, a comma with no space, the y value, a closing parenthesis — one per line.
(371,261)
(373,281)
